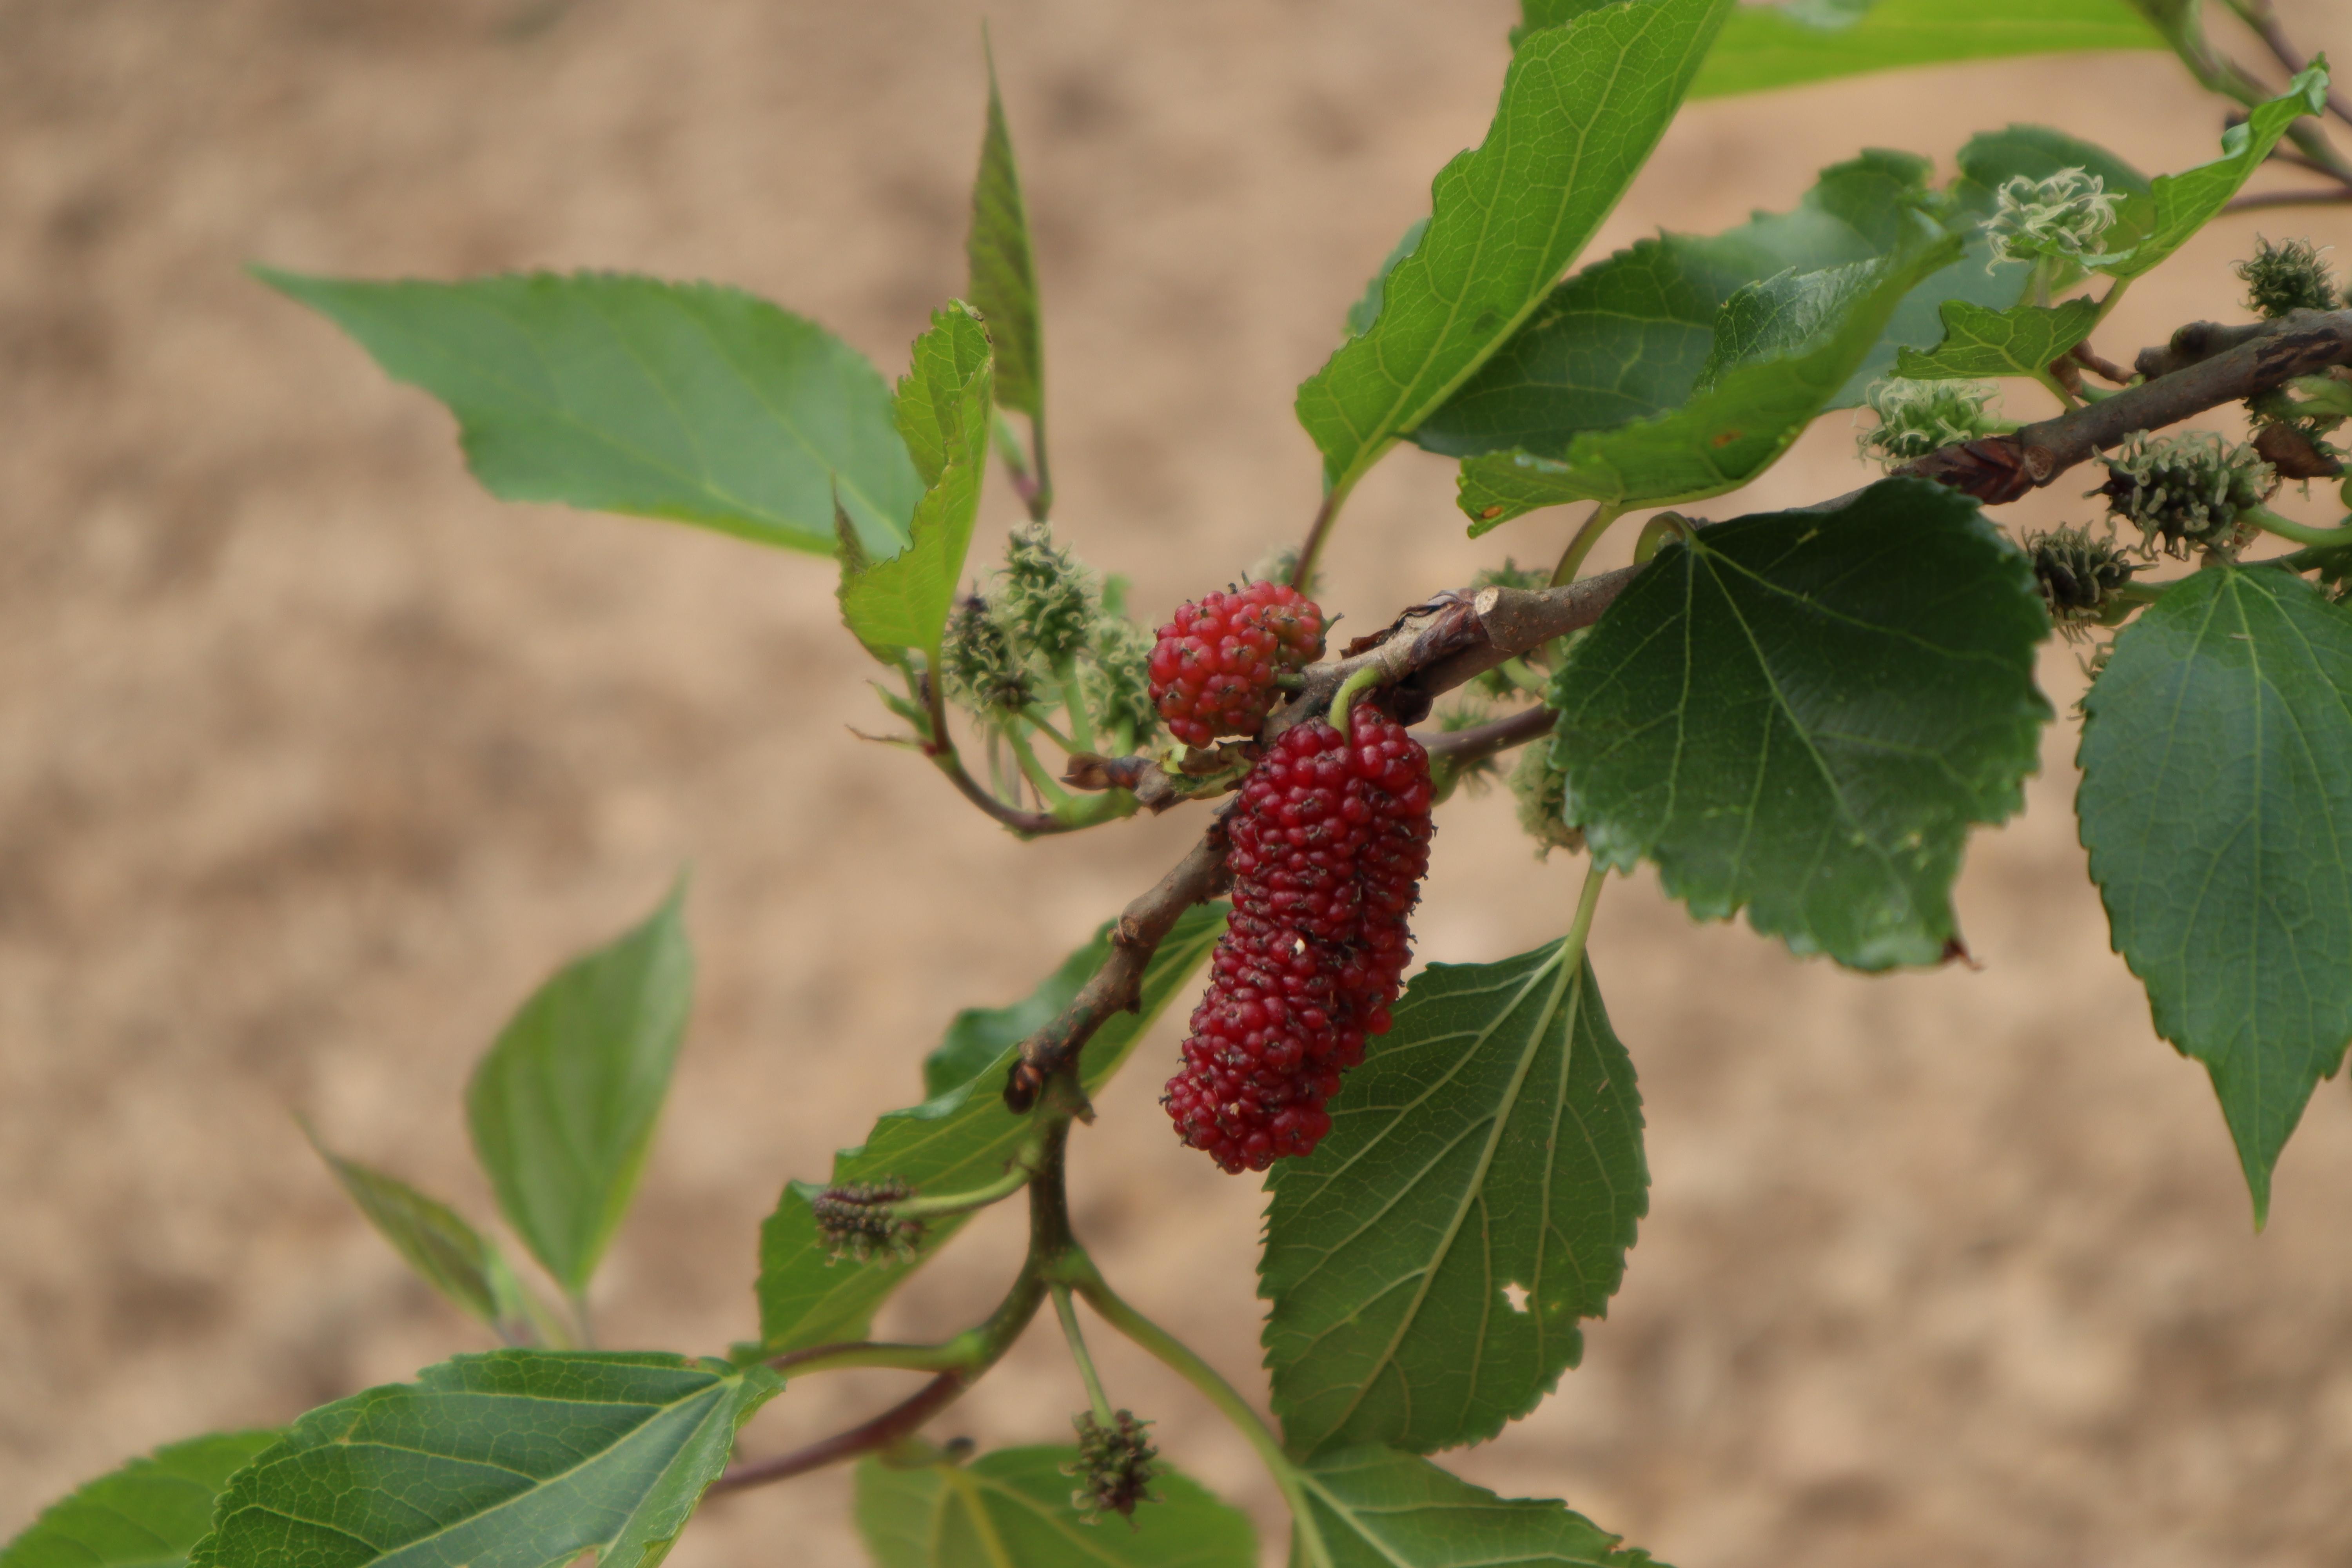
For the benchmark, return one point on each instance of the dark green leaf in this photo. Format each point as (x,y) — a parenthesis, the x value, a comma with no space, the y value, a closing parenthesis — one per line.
(1003,286)
(624,394)
(2152,226)
(447,1252)
(1784,349)
(2021,341)
(979,1037)
(1768,46)
(1367,309)
(955,1141)
(1375,1508)
(513,1459)
(1012,1509)
(1481,1182)
(1582,106)
(2217,805)
(563,1105)
(1802,713)
(942,409)
(145,1515)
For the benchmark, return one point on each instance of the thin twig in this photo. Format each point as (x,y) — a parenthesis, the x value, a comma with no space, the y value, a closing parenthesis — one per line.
(1475,744)
(2259,15)
(1027,823)
(2266,199)
(1317,532)
(901,1420)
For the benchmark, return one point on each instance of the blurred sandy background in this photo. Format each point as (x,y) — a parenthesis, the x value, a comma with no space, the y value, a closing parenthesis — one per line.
(313,760)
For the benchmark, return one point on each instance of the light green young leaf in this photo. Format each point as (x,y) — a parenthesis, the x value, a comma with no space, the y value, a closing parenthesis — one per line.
(1582,105)
(2150,228)
(2021,341)
(1801,713)
(145,1515)
(1785,348)
(978,1037)
(1768,46)
(1475,1198)
(1003,273)
(955,1141)
(942,410)
(2217,805)
(1376,1508)
(1011,1508)
(563,1105)
(447,1252)
(624,394)
(513,1459)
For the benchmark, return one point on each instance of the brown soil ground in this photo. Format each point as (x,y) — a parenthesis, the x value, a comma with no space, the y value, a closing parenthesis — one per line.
(313,760)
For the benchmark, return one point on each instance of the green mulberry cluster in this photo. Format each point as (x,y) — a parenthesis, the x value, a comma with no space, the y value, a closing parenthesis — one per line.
(2064,217)
(1051,631)
(2288,276)
(1113,1466)
(1916,417)
(2078,574)
(2187,489)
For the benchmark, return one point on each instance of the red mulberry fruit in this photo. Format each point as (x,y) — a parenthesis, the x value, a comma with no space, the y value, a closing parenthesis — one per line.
(1213,668)
(1331,839)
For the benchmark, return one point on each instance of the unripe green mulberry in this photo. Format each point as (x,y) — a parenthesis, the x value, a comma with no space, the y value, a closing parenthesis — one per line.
(2067,215)
(2185,489)
(1916,417)
(2077,574)
(1113,1466)
(2289,276)
(1540,787)
(985,673)
(1049,599)
(1117,680)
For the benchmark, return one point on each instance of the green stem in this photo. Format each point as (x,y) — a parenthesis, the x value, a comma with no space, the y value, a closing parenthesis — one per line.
(584,1325)
(1068,1312)
(1587,902)
(1082,727)
(1345,697)
(1517,671)
(2269,521)
(1326,515)
(957,1355)
(1588,534)
(1179,1358)
(1055,797)
(1038,716)
(1016,1176)
(2057,389)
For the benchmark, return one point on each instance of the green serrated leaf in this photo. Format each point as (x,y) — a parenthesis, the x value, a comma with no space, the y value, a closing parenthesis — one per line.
(1785,348)
(1768,46)
(1375,1508)
(901,603)
(512,1459)
(624,394)
(978,1037)
(563,1105)
(2021,341)
(1475,1198)
(2150,228)
(1003,273)
(2217,805)
(1582,106)
(1011,1508)
(436,1240)
(953,1142)
(148,1514)
(1367,308)
(1801,714)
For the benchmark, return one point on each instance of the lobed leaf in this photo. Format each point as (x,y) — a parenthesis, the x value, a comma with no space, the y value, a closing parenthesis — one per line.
(447,1252)
(2216,804)
(2177,206)
(2021,340)
(1013,1507)
(1004,272)
(512,1459)
(1801,713)
(1783,350)
(942,410)
(1582,105)
(624,393)
(562,1106)
(1490,1144)
(1816,40)
(1375,1508)
(148,1514)
(956,1140)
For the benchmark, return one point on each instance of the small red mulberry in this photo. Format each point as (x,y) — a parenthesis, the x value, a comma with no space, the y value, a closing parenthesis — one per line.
(1213,668)
(1330,840)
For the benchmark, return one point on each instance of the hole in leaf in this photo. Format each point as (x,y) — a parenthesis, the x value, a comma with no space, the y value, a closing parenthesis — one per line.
(1517,1295)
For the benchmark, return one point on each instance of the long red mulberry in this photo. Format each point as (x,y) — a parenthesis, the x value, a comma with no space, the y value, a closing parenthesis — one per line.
(1213,668)
(1330,840)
